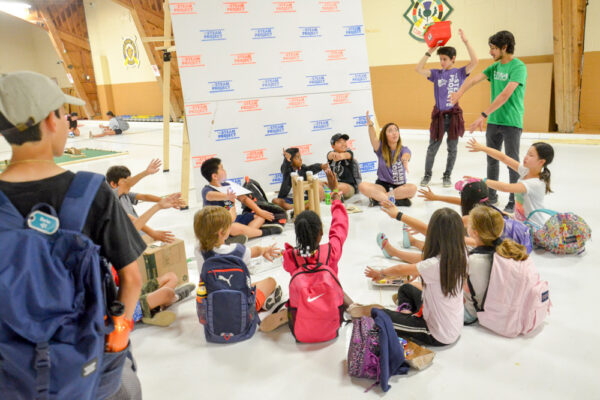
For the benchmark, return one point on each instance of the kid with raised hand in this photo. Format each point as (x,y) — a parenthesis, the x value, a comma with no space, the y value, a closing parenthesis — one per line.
(534,178)
(485,227)
(432,313)
(393,160)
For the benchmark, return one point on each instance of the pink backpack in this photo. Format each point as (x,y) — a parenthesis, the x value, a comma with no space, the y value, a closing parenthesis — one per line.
(516,301)
(316,301)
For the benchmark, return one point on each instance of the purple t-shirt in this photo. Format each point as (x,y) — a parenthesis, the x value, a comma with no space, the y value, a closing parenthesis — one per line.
(396,174)
(446,81)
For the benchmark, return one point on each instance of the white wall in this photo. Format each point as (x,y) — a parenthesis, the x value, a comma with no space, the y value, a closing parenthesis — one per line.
(25,46)
(108,24)
(592,27)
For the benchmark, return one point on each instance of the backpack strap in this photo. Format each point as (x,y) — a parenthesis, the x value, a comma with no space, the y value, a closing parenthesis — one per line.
(41,364)
(78,200)
(542,210)
(10,217)
(472,290)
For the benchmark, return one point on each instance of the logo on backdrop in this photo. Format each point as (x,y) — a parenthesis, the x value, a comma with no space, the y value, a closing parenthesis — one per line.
(263,33)
(276,129)
(296,101)
(291,56)
(183,8)
(369,166)
(130,53)
(317,80)
(276,178)
(199,160)
(235,7)
(350,144)
(360,120)
(304,149)
(335,55)
(220,86)
(340,98)
(243,59)
(190,61)
(237,181)
(310,31)
(354,30)
(284,7)
(227,134)
(329,6)
(249,105)
(210,35)
(359,77)
(321,125)
(193,110)
(420,14)
(270,83)
(255,155)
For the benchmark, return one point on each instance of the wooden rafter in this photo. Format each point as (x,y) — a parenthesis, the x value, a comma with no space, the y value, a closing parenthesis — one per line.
(76,40)
(59,46)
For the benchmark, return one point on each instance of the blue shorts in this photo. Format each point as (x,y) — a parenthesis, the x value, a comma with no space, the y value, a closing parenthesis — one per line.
(244,219)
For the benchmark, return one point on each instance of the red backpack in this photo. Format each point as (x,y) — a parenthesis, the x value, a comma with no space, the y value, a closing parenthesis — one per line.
(316,300)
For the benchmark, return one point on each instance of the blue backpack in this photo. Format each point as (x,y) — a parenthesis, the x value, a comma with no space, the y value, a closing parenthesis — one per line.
(229,309)
(52,292)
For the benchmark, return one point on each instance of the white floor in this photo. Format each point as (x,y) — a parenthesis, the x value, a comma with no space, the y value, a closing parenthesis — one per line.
(559,361)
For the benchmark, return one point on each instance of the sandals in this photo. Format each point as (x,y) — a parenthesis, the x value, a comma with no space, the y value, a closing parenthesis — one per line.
(274,321)
(381,240)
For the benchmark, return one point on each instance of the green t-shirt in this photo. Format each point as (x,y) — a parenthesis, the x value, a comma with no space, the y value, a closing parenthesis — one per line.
(499,75)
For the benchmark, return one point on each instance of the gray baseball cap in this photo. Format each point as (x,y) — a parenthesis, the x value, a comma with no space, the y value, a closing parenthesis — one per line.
(26,99)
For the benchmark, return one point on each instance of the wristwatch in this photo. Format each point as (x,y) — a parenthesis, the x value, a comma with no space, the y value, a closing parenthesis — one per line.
(484,114)
(428,54)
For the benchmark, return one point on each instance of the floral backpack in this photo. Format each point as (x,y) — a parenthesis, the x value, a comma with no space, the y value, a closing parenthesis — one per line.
(563,233)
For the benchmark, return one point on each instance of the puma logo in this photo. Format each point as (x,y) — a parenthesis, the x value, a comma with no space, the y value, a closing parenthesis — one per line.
(311,299)
(228,280)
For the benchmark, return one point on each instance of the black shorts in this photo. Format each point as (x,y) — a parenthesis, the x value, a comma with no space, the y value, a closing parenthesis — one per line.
(72,124)
(387,185)
(118,131)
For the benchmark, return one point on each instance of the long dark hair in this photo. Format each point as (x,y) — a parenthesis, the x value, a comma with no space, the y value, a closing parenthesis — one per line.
(446,239)
(546,153)
(386,152)
(308,228)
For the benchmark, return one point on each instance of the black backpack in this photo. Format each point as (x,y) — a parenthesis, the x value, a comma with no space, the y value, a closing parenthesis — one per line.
(257,194)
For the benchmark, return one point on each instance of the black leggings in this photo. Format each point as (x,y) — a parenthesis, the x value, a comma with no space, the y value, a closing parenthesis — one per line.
(408,326)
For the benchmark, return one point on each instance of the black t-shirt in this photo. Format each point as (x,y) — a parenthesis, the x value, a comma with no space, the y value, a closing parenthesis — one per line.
(343,169)
(107,225)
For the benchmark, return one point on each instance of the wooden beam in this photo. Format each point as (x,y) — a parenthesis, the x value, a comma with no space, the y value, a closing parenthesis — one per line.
(156,39)
(166,87)
(66,60)
(568,17)
(76,40)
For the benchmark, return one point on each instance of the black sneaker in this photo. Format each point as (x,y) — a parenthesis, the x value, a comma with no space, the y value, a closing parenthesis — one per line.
(510,207)
(271,229)
(425,180)
(446,181)
(241,239)
(373,203)
(403,203)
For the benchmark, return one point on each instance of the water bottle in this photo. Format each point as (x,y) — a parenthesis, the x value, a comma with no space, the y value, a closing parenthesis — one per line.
(405,237)
(327,195)
(118,339)
(391,196)
(201,302)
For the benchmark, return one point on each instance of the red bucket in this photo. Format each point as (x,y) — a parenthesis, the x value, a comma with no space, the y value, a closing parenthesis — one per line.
(438,34)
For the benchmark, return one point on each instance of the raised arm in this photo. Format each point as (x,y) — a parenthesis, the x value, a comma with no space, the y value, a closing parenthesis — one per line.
(420,68)
(394,271)
(473,63)
(152,168)
(372,134)
(474,146)
(428,195)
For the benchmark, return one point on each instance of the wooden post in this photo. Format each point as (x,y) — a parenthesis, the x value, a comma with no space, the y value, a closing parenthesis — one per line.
(568,18)
(166,85)
(314,193)
(310,179)
(185,166)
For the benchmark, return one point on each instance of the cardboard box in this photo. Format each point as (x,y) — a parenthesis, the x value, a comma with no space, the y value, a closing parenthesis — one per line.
(160,258)
(418,357)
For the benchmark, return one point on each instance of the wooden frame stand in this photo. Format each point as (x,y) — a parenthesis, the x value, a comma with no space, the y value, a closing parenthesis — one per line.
(299,186)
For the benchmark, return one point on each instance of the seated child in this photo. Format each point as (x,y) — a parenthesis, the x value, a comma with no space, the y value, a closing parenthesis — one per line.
(72,119)
(485,227)
(158,294)
(344,165)
(116,126)
(245,226)
(212,225)
(432,312)
(120,180)
(293,163)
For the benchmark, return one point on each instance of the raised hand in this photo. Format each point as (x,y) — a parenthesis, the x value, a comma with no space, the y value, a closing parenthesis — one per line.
(428,195)
(332,181)
(172,200)
(154,166)
(271,252)
(389,208)
(474,146)
(374,274)
(477,125)
(231,196)
(369,122)
(462,36)
(164,236)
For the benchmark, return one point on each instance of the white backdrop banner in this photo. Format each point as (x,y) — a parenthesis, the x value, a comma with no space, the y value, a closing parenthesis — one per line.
(259,76)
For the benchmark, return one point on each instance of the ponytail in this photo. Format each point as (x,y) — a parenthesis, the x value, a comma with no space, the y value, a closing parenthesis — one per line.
(545,176)
(511,249)
(545,152)
(489,225)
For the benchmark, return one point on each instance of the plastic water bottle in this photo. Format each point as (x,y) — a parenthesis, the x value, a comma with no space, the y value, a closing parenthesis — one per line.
(327,195)
(391,196)
(118,339)
(405,237)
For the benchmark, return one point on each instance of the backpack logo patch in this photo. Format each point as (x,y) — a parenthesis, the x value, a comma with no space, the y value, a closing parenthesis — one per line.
(89,368)
(45,223)
(545,296)
(228,280)
(311,299)
(226,336)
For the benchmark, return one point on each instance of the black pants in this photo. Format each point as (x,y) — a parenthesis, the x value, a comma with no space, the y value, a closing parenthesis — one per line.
(408,326)
(494,136)
(434,146)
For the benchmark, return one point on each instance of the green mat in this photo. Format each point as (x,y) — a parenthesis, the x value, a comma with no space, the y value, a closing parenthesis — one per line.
(86,155)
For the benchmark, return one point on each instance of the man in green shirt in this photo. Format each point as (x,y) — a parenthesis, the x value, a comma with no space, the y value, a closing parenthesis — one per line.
(507,76)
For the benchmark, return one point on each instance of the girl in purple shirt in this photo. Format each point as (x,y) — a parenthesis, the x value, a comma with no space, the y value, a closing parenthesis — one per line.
(393,161)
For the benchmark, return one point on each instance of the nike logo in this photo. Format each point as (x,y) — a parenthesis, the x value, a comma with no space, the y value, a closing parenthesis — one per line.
(311,299)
